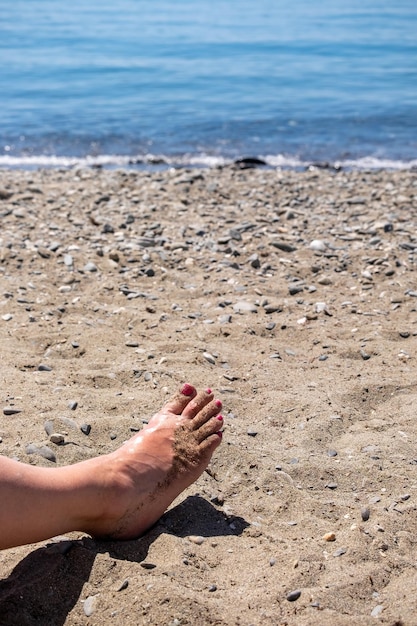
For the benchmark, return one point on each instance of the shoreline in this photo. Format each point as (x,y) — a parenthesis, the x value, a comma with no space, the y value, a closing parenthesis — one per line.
(158,162)
(293,295)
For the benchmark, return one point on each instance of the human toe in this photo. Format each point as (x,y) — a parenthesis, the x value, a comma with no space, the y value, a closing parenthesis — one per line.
(181,399)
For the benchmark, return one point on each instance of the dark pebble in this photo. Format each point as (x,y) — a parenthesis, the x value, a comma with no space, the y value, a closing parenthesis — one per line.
(365,513)
(72,405)
(44,368)
(213,588)
(10,410)
(252,433)
(147,565)
(86,429)
(293,595)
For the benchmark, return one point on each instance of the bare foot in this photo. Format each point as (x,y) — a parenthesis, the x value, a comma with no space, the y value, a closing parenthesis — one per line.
(141,479)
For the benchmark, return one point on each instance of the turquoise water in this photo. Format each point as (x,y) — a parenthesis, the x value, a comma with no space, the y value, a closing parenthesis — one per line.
(209,81)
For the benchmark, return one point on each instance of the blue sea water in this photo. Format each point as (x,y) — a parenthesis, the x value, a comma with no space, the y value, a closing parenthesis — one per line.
(207,82)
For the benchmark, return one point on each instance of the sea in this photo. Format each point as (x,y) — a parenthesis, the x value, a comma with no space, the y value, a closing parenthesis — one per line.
(183,83)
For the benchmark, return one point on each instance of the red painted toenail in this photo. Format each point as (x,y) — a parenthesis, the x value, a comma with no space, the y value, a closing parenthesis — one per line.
(187,390)
(208,391)
(218,403)
(220,417)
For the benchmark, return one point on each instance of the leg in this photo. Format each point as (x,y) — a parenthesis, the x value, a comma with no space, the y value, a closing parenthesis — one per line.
(119,495)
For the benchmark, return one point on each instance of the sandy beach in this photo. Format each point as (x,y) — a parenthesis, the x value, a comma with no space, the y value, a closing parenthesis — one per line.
(293,296)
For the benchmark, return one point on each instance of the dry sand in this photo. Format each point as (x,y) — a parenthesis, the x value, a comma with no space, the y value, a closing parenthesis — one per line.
(126,284)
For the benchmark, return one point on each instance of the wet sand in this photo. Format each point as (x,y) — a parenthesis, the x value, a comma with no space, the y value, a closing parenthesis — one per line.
(293,296)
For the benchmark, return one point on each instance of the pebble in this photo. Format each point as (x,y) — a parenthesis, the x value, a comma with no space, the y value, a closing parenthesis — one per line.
(197,539)
(7,317)
(209,357)
(295,288)
(72,405)
(244,307)
(123,585)
(339,552)
(89,605)
(318,245)
(331,486)
(90,267)
(44,368)
(213,588)
(331,452)
(377,610)
(43,451)
(292,596)
(252,432)
(365,513)
(57,438)
(147,565)
(329,537)
(282,245)
(11,410)
(68,260)
(85,428)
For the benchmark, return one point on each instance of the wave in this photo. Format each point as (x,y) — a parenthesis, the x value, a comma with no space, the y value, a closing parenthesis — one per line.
(202,160)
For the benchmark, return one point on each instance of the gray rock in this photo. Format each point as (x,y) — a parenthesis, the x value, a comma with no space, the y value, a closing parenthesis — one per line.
(292,596)
(244,307)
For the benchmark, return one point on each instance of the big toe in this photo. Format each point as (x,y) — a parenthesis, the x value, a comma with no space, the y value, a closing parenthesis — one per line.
(181,399)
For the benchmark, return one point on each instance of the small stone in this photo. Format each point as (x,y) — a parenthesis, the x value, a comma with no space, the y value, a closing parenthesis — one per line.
(209,357)
(44,368)
(365,513)
(252,432)
(132,344)
(43,451)
(49,427)
(147,565)
(73,405)
(244,307)
(86,429)
(377,610)
(339,552)
(11,410)
(282,245)
(331,486)
(213,588)
(123,585)
(329,537)
(197,539)
(7,317)
(89,605)
(331,452)
(75,344)
(405,497)
(323,357)
(318,245)
(68,260)
(295,288)
(57,438)
(272,561)
(90,267)
(292,596)
(325,280)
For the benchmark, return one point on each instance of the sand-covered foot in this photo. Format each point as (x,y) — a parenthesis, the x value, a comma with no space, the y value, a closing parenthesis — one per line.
(141,479)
